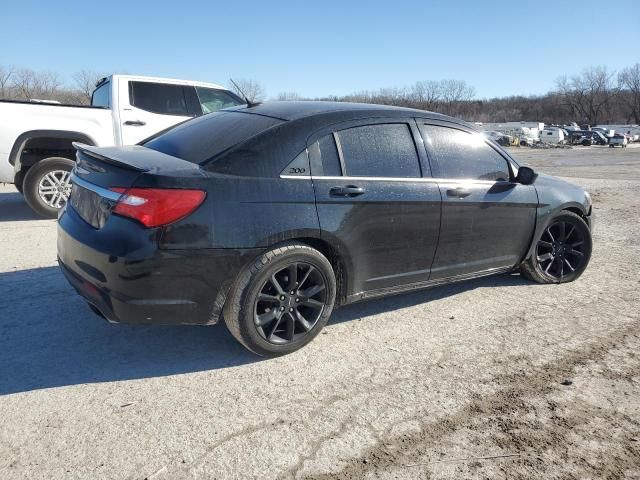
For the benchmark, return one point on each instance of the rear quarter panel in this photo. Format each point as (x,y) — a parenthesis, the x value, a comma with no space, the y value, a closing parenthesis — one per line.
(248,212)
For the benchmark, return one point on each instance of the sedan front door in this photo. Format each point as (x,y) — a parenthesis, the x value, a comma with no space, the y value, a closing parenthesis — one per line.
(487,218)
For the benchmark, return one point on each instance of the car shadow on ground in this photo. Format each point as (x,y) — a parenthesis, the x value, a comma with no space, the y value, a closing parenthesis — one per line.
(13,208)
(49,338)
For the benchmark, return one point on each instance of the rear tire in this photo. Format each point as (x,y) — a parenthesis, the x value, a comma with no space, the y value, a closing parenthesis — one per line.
(280,303)
(562,253)
(46,186)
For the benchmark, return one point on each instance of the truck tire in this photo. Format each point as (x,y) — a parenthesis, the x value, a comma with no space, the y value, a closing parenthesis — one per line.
(47,186)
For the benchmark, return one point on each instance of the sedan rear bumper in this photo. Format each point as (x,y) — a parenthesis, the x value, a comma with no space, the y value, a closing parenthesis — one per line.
(131,281)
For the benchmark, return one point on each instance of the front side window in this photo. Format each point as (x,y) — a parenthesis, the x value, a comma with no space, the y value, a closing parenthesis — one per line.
(460,154)
(381,150)
(102,96)
(212,100)
(162,98)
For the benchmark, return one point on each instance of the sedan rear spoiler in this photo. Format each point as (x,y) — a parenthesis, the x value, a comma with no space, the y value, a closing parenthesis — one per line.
(136,158)
(98,154)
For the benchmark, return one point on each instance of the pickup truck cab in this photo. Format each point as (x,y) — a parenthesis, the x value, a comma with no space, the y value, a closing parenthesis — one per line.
(36,151)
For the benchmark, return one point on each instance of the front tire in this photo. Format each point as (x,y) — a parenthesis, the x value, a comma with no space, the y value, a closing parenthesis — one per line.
(282,301)
(562,253)
(47,186)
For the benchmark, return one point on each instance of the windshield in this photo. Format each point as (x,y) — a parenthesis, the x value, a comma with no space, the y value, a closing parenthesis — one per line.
(203,138)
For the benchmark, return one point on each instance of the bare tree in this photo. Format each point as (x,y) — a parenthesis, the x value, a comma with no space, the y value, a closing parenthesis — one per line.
(5,76)
(588,95)
(249,89)
(629,83)
(283,96)
(85,81)
(427,93)
(29,84)
(454,93)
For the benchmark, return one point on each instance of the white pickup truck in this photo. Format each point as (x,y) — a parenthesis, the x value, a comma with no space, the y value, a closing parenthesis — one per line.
(36,152)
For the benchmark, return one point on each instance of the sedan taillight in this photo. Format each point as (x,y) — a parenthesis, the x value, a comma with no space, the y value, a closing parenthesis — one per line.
(154,207)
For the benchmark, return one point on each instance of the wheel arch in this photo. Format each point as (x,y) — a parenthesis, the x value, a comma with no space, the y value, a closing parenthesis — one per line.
(338,261)
(63,138)
(543,221)
(578,210)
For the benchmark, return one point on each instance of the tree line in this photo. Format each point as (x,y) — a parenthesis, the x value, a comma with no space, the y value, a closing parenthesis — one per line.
(596,95)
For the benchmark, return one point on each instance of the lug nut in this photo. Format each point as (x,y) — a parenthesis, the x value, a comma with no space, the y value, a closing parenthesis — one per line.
(292,292)
(281,297)
(291,309)
(297,300)
(282,309)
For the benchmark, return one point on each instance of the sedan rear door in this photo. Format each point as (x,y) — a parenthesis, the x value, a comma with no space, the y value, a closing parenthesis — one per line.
(374,203)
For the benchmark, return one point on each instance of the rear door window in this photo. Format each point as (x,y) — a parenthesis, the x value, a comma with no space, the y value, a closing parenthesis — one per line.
(162,98)
(101,96)
(381,150)
(461,154)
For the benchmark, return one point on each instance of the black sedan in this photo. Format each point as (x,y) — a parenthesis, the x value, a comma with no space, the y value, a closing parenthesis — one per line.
(271,215)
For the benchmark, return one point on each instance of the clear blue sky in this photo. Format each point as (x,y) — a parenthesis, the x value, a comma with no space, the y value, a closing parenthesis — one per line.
(326,47)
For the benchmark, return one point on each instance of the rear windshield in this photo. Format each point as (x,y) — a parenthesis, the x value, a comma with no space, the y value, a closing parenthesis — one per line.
(203,138)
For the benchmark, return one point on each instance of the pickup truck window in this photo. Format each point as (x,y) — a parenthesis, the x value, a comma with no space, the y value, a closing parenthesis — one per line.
(212,100)
(162,98)
(102,96)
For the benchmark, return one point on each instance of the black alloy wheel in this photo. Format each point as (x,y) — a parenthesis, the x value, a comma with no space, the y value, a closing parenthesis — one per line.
(281,301)
(290,303)
(561,251)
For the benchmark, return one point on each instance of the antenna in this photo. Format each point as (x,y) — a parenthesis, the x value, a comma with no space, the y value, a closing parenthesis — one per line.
(244,96)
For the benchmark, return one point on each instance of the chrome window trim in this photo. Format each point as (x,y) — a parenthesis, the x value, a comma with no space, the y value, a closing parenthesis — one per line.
(395,179)
(103,192)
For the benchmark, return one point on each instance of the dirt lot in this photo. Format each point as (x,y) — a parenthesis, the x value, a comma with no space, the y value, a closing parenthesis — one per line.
(494,378)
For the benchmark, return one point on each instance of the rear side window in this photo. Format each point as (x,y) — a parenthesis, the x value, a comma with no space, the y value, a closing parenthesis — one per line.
(102,96)
(203,138)
(383,150)
(460,154)
(162,98)
(212,100)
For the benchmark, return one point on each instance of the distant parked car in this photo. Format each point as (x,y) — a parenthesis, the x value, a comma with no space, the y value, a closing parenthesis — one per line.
(619,139)
(269,216)
(588,137)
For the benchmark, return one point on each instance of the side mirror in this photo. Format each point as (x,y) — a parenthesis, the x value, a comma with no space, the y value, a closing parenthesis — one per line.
(526,176)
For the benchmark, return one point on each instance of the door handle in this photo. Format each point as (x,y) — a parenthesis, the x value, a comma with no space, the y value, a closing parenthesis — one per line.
(348,191)
(458,192)
(135,123)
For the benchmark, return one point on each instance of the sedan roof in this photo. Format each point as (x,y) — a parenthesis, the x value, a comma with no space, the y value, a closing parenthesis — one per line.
(294,110)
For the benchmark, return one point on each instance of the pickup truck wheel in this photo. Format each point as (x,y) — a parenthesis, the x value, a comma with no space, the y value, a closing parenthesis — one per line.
(47,186)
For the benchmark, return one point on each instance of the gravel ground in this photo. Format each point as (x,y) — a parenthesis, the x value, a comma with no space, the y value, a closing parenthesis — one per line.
(492,378)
